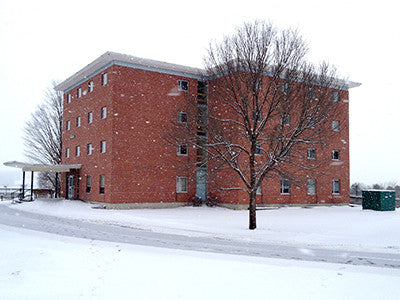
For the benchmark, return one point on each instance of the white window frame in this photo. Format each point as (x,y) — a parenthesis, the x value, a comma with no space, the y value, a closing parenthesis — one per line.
(88,184)
(259,190)
(180,117)
(90,117)
(285,87)
(285,119)
(335,125)
(311,153)
(78,151)
(336,187)
(102,184)
(258,149)
(104,79)
(181,87)
(311,186)
(335,96)
(90,86)
(89,149)
(68,125)
(311,92)
(78,121)
(68,98)
(179,188)
(182,147)
(79,93)
(103,146)
(104,112)
(285,185)
(256,115)
(67,153)
(333,154)
(259,83)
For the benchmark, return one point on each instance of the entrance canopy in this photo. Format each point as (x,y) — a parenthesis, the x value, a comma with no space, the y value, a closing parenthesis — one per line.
(26,167)
(41,167)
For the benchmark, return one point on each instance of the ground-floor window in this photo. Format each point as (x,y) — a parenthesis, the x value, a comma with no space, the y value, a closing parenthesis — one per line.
(285,186)
(181,184)
(259,192)
(102,183)
(311,189)
(88,183)
(335,187)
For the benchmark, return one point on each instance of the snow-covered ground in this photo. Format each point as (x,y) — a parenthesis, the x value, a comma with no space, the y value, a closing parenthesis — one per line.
(35,265)
(339,227)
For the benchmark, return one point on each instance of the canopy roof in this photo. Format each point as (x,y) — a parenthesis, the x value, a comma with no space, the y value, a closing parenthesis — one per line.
(41,167)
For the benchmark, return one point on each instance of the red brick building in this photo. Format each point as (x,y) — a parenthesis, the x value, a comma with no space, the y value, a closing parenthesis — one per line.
(116,112)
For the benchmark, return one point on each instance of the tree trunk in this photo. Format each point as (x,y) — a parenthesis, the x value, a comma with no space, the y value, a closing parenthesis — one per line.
(252,211)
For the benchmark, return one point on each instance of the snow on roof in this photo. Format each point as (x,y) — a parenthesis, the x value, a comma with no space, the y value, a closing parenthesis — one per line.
(112,58)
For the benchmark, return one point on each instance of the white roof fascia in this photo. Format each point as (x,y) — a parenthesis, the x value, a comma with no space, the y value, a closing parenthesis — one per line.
(26,167)
(111,58)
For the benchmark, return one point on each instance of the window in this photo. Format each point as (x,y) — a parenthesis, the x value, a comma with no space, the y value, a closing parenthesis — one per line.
(67,153)
(311,187)
(310,122)
(182,150)
(258,150)
(285,119)
(90,86)
(259,84)
(183,85)
(78,151)
(78,122)
(285,87)
(311,153)
(335,154)
(181,185)
(104,112)
(79,93)
(311,92)
(102,184)
(104,79)
(102,146)
(335,96)
(89,149)
(335,125)
(285,186)
(335,187)
(90,118)
(258,192)
(68,125)
(182,117)
(88,184)
(69,98)
(256,115)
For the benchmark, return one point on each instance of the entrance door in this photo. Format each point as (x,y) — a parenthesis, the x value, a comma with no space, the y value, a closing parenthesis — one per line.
(71,187)
(201,183)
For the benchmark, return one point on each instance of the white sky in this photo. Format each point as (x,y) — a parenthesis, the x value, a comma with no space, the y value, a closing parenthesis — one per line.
(45,40)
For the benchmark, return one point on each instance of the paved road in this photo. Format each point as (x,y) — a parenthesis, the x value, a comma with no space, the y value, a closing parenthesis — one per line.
(121,234)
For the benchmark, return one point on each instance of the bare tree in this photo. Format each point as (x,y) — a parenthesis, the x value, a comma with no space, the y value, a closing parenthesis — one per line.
(42,135)
(357,188)
(266,104)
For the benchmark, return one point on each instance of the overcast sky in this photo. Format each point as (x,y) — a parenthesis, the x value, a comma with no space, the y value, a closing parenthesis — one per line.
(45,40)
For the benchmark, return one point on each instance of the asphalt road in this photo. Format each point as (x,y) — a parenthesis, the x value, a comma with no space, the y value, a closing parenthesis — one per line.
(121,234)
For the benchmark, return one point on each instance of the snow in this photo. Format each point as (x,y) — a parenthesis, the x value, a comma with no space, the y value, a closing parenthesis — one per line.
(334,227)
(35,265)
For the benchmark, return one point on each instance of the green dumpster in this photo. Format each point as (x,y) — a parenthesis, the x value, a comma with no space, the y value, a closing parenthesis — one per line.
(379,200)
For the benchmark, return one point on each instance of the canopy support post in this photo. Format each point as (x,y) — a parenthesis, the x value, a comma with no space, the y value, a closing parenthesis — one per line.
(31,186)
